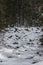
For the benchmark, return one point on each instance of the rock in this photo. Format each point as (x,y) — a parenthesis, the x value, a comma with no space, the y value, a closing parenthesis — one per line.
(17,47)
(15,29)
(15,43)
(41,36)
(39,63)
(42,29)
(28,43)
(30,40)
(16,35)
(17,53)
(37,53)
(41,40)
(34,62)
(29,58)
(26,29)
(37,28)
(10,36)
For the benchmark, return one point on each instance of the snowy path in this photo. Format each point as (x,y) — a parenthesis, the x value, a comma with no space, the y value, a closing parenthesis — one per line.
(21,46)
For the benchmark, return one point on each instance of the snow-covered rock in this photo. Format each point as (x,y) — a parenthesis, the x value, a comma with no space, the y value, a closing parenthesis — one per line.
(39,63)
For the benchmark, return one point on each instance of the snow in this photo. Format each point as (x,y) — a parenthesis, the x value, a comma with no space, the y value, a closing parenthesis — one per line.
(7,52)
(2,57)
(20,46)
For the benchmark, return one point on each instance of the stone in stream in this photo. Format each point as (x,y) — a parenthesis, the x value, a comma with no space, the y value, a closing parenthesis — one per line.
(37,32)
(10,57)
(8,46)
(15,43)
(16,35)
(1,61)
(42,35)
(15,29)
(34,62)
(37,52)
(42,29)
(41,40)
(31,40)
(37,28)
(28,43)
(17,53)
(26,29)
(10,36)
(29,58)
(17,47)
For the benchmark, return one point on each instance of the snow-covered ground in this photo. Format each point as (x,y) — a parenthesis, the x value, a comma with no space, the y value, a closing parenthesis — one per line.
(21,46)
